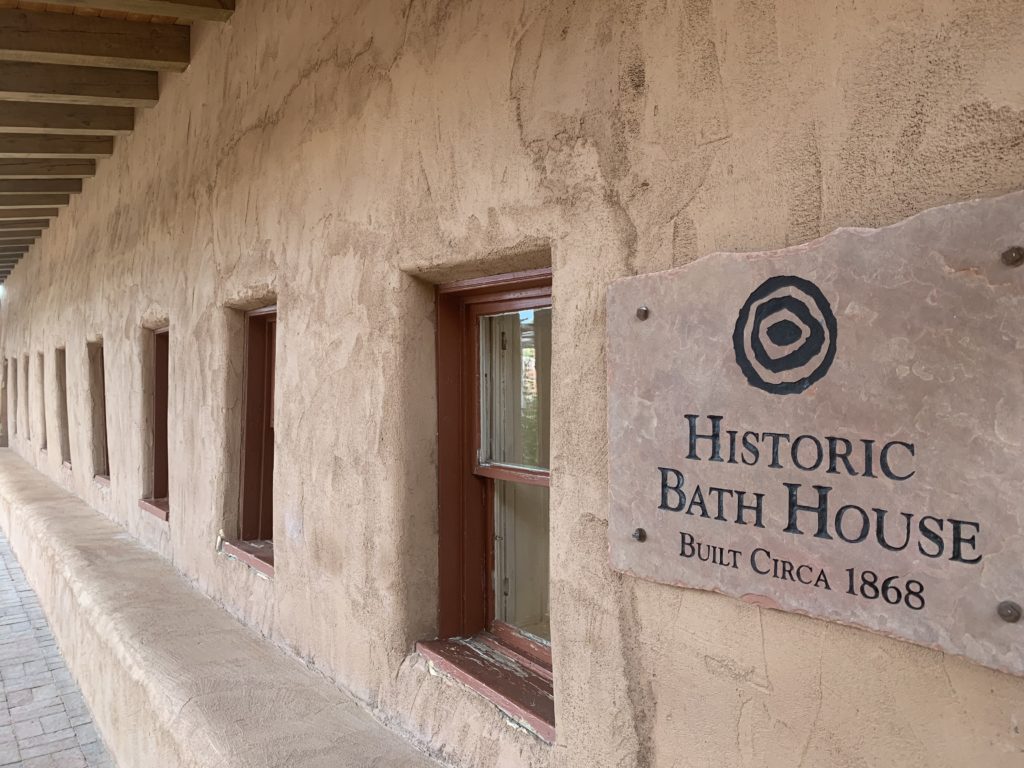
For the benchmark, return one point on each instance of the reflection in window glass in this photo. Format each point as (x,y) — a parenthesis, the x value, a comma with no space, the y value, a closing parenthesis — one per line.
(515,381)
(521,557)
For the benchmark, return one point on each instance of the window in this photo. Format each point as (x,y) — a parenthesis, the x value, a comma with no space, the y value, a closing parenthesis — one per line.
(27,399)
(256,500)
(4,410)
(494,416)
(60,363)
(98,396)
(42,401)
(156,500)
(12,364)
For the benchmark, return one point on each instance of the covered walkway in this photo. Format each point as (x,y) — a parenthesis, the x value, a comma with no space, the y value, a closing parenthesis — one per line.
(44,722)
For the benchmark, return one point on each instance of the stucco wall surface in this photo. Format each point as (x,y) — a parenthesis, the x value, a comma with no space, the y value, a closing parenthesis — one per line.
(344,156)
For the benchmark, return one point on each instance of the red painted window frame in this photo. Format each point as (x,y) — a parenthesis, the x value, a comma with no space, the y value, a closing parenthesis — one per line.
(157,503)
(465,520)
(256,491)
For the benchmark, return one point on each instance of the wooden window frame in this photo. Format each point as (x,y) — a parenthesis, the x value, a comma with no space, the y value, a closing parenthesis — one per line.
(27,408)
(254,544)
(98,402)
(60,367)
(12,383)
(43,440)
(469,635)
(157,503)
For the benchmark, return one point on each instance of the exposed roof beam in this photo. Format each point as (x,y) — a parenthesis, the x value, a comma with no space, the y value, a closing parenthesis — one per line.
(88,41)
(25,242)
(26,145)
(77,85)
(40,186)
(33,201)
(6,235)
(19,250)
(191,10)
(24,213)
(72,119)
(24,224)
(46,169)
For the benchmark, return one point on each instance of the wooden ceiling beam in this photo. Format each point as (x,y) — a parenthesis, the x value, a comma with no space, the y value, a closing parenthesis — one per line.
(187,10)
(66,119)
(25,242)
(18,250)
(47,169)
(55,83)
(40,186)
(92,41)
(6,235)
(44,145)
(19,214)
(33,201)
(24,224)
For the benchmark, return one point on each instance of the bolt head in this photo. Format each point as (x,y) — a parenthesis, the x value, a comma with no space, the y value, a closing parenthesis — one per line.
(1013,257)
(1009,611)
(642,313)
(640,534)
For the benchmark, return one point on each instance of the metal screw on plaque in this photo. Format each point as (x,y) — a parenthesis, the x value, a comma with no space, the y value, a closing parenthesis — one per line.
(1013,257)
(1009,611)
(640,535)
(642,313)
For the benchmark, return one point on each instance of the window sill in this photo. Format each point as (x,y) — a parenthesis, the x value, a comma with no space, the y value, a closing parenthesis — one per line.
(258,555)
(159,508)
(102,480)
(517,686)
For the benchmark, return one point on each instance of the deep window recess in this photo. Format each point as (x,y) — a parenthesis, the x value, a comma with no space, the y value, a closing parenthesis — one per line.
(60,364)
(12,367)
(256,500)
(98,395)
(42,401)
(4,410)
(27,399)
(494,416)
(157,499)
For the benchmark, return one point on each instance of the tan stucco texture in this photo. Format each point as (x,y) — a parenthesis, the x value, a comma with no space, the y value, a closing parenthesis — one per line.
(340,157)
(175,680)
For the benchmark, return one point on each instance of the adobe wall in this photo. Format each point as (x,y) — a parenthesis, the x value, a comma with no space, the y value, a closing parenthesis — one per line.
(344,156)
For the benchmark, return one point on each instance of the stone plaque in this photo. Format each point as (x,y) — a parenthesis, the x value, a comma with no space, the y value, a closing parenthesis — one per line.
(835,429)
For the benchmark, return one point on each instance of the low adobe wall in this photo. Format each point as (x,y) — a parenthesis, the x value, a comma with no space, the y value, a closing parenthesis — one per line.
(344,157)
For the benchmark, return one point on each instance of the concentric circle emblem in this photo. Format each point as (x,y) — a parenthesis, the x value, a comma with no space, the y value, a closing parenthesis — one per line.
(785,335)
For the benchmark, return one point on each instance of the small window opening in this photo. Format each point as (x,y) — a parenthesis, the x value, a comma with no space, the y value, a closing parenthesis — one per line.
(4,410)
(27,399)
(256,501)
(157,500)
(98,396)
(494,414)
(42,401)
(60,364)
(12,366)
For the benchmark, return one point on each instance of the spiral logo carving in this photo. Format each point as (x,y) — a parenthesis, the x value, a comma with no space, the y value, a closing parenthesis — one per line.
(785,336)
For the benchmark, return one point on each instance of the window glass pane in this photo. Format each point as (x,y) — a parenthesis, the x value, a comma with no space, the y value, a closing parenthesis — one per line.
(521,557)
(515,380)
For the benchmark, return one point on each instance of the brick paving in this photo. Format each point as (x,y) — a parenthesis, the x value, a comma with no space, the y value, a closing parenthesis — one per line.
(44,722)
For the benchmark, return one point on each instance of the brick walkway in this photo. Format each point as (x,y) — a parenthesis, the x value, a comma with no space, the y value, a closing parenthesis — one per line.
(44,722)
